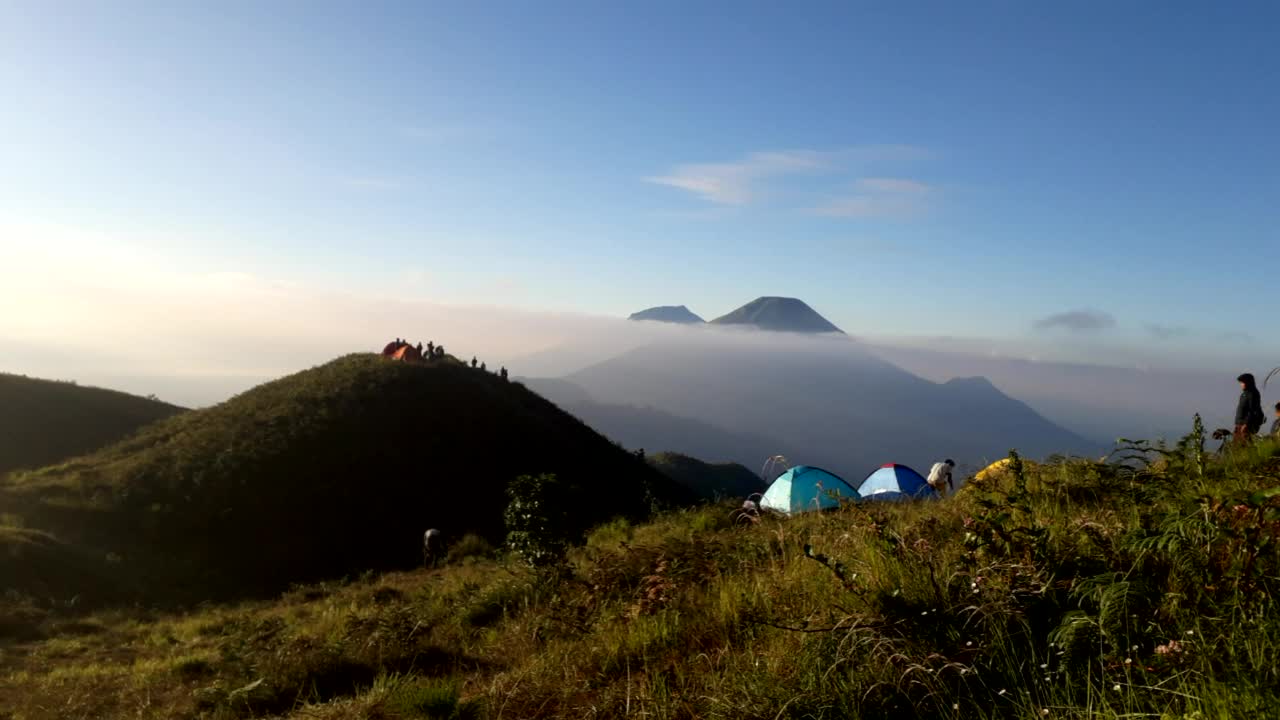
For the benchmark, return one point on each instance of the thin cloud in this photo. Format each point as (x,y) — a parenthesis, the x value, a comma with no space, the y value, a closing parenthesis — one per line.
(893,185)
(1167,332)
(737,183)
(878,197)
(741,182)
(1172,332)
(1078,321)
(372,183)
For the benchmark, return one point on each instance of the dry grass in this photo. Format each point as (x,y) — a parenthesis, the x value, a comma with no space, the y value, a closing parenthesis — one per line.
(913,614)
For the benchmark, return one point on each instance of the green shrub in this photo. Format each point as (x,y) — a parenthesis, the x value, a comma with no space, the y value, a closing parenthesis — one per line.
(539,527)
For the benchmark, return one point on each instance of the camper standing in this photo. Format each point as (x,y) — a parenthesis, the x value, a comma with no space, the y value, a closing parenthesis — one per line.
(940,476)
(432,545)
(1249,415)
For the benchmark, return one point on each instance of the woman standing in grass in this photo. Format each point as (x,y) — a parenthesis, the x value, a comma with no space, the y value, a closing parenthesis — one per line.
(1249,416)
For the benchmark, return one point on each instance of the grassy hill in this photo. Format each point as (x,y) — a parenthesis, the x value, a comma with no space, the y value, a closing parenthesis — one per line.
(333,470)
(1075,589)
(708,480)
(47,421)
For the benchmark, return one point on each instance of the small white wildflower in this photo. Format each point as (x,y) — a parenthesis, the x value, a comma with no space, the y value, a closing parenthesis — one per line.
(955,706)
(1128,661)
(1044,665)
(969,644)
(975,591)
(1191,632)
(1047,678)
(1044,711)
(1002,692)
(1134,648)
(926,612)
(1116,687)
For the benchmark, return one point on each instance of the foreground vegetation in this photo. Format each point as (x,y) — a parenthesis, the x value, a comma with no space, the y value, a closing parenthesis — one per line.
(1071,589)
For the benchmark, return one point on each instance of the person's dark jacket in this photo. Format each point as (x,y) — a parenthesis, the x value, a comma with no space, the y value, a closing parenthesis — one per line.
(1249,410)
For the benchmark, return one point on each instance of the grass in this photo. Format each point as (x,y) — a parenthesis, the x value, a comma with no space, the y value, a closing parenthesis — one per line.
(1070,589)
(333,470)
(46,421)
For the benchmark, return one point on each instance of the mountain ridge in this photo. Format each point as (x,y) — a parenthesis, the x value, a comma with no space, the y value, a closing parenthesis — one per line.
(779,314)
(676,314)
(827,404)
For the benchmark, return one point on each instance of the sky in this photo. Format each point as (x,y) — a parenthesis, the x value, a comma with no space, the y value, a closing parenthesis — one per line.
(1079,181)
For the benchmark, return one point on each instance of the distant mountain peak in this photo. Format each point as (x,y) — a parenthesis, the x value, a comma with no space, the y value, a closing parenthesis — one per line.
(669,314)
(782,314)
(976,381)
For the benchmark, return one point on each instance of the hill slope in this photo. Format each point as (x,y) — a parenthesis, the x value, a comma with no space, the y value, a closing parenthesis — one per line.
(779,314)
(46,421)
(332,470)
(678,314)
(708,480)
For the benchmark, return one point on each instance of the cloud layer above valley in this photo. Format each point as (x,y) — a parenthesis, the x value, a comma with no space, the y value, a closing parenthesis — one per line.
(93,309)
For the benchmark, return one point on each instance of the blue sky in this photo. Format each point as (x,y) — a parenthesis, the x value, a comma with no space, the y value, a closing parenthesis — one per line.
(1057,172)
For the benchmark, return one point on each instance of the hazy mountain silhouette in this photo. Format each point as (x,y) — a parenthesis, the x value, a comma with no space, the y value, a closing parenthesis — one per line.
(669,314)
(1099,401)
(780,314)
(831,404)
(654,430)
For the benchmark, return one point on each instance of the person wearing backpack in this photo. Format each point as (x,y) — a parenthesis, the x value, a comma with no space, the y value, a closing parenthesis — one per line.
(1249,415)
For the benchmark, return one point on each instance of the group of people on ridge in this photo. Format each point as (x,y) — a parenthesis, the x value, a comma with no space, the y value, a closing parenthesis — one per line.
(430,352)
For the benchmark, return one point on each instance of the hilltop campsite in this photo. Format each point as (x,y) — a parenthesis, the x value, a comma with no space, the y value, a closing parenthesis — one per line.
(639,360)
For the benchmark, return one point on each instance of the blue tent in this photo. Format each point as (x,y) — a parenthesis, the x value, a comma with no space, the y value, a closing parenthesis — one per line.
(804,488)
(895,482)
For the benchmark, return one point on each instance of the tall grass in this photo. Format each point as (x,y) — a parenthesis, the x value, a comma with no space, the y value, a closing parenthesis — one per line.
(1071,589)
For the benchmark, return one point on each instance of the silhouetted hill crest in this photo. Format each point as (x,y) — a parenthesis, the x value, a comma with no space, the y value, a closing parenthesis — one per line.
(333,470)
(47,421)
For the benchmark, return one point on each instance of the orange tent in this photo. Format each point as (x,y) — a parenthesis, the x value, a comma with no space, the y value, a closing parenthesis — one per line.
(407,353)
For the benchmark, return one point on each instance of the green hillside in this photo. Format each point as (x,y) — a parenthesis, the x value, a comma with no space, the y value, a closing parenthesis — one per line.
(333,470)
(708,480)
(47,421)
(1071,589)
